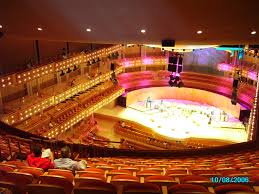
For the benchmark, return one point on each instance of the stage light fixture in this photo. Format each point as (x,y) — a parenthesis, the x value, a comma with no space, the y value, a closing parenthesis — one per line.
(88,30)
(39,29)
(1,26)
(143,31)
(199,32)
(253,32)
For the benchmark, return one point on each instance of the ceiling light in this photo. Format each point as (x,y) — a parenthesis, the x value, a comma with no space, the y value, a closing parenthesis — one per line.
(88,30)
(253,32)
(199,32)
(40,29)
(143,31)
(1,26)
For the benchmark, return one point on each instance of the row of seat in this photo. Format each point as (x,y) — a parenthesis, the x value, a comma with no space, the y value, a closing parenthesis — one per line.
(94,178)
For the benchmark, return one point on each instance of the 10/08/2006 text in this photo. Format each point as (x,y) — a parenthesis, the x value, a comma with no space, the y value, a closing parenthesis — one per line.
(226,179)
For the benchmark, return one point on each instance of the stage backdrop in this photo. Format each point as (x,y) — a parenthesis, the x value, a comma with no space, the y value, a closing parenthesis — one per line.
(191,94)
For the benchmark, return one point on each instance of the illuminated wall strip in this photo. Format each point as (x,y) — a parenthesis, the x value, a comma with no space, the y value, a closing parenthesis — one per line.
(83,114)
(51,101)
(253,114)
(29,75)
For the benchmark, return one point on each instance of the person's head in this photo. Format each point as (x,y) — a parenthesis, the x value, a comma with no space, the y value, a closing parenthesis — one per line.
(65,152)
(37,151)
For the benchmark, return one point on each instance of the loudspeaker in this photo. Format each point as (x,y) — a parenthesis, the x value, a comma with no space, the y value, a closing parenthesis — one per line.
(235,83)
(168,43)
(172,67)
(121,101)
(234,96)
(244,115)
(173,60)
(112,66)
(180,68)
(180,61)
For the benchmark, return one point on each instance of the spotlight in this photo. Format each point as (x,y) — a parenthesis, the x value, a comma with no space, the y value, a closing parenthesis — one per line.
(88,30)
(199,32)
(143,31)
(39,29)
(1,26)
(253,32)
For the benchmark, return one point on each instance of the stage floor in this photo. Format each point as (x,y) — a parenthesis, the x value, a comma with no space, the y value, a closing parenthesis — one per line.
(181,119)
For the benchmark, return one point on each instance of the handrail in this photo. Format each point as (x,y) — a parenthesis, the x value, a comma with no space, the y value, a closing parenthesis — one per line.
(95,151)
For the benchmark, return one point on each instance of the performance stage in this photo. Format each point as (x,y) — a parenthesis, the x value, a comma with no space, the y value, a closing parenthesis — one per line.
(181,119)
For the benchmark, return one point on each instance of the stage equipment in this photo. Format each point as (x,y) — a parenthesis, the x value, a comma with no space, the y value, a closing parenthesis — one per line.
(176,67)
(168,43)
(62,73)
(175,80)
(69,70)
(121,101)
(113,75)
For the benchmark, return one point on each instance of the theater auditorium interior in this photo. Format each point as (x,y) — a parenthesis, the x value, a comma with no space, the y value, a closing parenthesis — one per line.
(129,97)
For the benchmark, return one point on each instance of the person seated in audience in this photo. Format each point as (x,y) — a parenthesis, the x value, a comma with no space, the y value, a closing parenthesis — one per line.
(35,160)
(66,163)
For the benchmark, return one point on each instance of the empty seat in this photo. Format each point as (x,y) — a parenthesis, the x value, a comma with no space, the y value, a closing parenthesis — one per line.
(223,189)
(96,188)
(18,164)
(160,180)
(141,188)
(65,173)
(146,173)
(44,189)
(5,168)
(92,170)
(193,178)
(124,179)
(57,181)
(35,172)
(19,179)
(87,178)
(10,186)
(186,188)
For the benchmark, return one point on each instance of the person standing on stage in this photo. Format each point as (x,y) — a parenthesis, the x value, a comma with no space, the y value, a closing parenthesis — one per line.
(148,103)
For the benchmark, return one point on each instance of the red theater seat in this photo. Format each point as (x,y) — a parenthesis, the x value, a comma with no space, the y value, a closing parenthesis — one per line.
(35,172)
(19,179)
(57,181)
(4,168)
(65,173)
(92,171)
(87,178)
(186,188)
(124,179)
(141,188)
(44,189)
(193,178)
(160,180)
(223,189)
(96,188)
